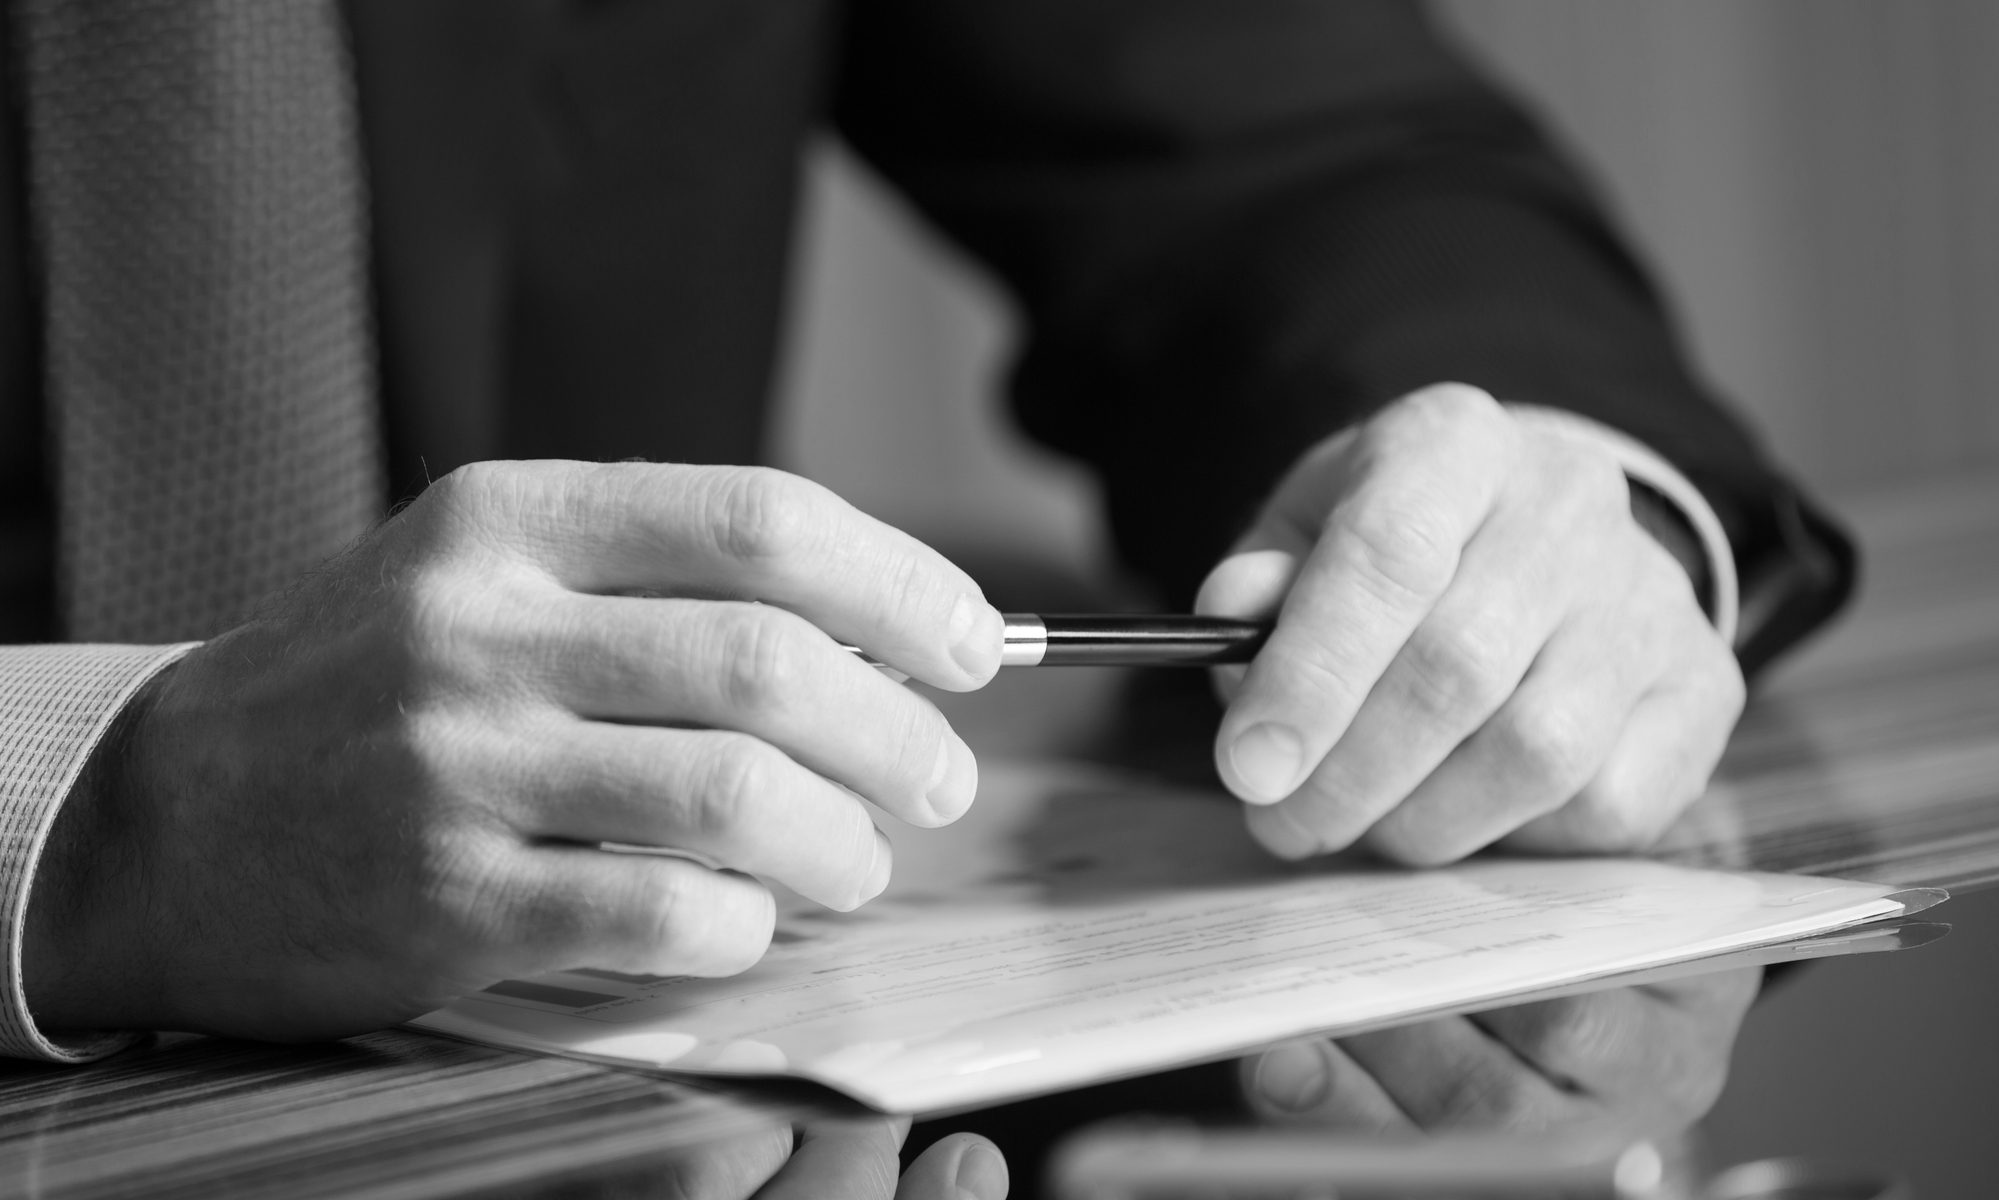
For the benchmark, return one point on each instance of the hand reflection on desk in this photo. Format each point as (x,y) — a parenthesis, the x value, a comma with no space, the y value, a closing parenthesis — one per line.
(846,1159)
(1653,1056)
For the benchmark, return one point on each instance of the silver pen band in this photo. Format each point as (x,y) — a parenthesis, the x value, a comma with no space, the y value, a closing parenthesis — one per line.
(1026,640)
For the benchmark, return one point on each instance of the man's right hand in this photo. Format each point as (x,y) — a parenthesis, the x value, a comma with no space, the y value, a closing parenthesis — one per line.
(391,786)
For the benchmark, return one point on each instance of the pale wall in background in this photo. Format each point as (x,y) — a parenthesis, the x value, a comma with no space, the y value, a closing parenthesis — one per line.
(1818,182)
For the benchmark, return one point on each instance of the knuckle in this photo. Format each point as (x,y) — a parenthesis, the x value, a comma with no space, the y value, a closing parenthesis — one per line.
(1553,747)
(1313,675)
(680,924)
(658,915)
(761,514)
(1595,499)
(466,880)
(1402,548)
(1487,1096)
(1455,403)
(760,654)
(918,743)
(480,489)
(1589,474)
(1568,1036)
(464,483)
(913,595)
(548,921)
(664,915)
(450,630)
(435,613)
(741,772)
(1459,667)
(1613,817)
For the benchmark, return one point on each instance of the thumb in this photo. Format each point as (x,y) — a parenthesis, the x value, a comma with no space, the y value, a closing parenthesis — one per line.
(963,1166)
(1248,585)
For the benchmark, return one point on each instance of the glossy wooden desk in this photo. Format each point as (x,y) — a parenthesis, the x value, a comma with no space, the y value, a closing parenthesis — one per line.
(388,1115)
(1876,753)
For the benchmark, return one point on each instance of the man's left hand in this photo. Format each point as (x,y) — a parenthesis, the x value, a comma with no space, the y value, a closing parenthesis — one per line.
(1474,639)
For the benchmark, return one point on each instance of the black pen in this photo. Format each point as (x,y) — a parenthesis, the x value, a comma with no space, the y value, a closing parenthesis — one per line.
(1127,640)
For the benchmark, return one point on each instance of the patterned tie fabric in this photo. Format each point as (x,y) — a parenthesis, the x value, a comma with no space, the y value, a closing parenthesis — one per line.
(197,195)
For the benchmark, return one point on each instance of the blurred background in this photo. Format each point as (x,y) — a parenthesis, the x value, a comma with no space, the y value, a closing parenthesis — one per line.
(1817,183)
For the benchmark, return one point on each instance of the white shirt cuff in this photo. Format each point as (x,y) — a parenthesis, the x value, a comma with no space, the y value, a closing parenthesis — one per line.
(56,702)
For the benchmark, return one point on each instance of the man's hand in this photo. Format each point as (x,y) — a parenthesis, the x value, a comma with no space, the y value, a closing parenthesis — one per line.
(391,787)
(1474,639)
(1652,1056)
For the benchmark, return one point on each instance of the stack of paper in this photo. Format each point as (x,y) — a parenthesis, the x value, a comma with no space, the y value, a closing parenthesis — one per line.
(1080,925)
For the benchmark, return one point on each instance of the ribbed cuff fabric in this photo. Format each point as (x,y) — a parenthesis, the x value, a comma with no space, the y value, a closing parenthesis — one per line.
(1644,464)
(56,702)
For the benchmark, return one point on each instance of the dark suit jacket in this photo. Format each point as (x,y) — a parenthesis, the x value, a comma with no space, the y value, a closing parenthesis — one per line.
(1232,226)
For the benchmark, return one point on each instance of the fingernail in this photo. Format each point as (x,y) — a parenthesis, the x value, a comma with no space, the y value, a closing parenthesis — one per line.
(982,1174)
(953,781)
(1293,1078)
(1282,834)
(1267,760)
(877,881)
(977,633)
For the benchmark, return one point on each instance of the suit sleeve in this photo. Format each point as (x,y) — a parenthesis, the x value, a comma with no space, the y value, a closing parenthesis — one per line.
(56,702)
(1237,226)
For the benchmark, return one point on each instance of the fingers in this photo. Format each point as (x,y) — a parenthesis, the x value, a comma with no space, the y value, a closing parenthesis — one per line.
(1450,1074)
(841,1160)
(1653,1051)
(1440,677)
(1424,477)
(741,533)
(573,906)
(1535,753)
(963,1166)
(766,672)
(1314,1082)
(1457,667)
(730,1169)
(1660,763)
(1250,585)
(1635,1052)
(726,796)
(857,1160)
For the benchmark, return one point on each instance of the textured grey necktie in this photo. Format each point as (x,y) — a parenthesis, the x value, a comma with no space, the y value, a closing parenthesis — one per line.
(197,195)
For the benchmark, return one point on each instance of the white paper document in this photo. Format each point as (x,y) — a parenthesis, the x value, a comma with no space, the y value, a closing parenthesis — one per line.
(1082,925)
